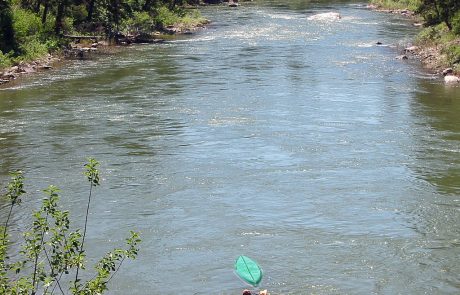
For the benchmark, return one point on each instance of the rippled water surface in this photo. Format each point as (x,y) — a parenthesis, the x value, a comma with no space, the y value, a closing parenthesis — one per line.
(297,142)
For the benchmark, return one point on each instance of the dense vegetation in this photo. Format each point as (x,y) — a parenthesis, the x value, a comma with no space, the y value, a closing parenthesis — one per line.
(442,26)
(31,28)
(52,257)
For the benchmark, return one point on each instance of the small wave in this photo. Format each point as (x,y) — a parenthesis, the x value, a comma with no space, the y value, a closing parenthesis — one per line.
(325,16)
(282,16)
(199,39)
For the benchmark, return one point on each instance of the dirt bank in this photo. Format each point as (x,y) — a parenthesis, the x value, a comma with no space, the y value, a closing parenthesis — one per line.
(431,54)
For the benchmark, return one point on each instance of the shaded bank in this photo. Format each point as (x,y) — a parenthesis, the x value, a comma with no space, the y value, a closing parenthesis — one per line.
(83,46)
(437,45)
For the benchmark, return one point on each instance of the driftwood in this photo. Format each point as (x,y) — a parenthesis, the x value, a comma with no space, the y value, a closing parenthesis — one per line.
(79,38)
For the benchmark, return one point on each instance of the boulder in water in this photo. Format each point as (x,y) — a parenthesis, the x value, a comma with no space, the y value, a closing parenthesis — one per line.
(449,79)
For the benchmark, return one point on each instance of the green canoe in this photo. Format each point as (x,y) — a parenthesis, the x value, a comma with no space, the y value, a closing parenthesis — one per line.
(248,270)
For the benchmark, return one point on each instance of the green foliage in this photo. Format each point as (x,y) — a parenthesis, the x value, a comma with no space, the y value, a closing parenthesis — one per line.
(178,17)
(439,36)
(78,13)
(5,60)
(452,52)
(439,11)
(433,11)
(431,34)
(15,188)
(33,49)
(397,4)
(140,22)
(456,23)
(7,39)
(25,24)
(192,18)
(52,251)
(30,29)
(165,17)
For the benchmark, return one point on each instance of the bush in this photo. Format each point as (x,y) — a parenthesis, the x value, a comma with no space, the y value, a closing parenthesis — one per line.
(456,23)
(397,4)
(51,251)
(435,34)
(140,22)
(33,49)
(179,17)
(452,52)
(165,17)
(25,24)
(5,60)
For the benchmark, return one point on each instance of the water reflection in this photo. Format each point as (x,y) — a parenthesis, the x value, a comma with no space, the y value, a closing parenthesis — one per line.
(11,130)
(437,108)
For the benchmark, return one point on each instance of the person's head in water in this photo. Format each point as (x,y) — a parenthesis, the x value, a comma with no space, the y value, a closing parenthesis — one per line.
(263,292)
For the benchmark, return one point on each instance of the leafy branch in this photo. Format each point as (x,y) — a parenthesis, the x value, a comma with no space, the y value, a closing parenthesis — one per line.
(52,251)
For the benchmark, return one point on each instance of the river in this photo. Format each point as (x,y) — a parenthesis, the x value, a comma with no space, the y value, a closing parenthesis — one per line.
(299,143)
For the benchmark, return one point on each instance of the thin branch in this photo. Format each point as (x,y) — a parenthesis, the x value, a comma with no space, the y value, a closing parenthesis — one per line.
(84,231)
(113,274)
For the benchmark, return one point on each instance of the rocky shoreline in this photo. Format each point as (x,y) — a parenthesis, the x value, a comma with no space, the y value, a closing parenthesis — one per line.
(430,56)
(24,68)
(84,47)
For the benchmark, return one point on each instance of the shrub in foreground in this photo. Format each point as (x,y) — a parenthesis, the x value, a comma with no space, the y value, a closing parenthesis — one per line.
(52,254)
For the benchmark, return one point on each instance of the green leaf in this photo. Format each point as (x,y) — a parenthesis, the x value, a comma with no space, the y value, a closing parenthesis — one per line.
(248,270)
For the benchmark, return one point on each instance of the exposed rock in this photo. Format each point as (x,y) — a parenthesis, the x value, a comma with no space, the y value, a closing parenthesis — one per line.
(449,79)
(9,76)
(378,43)
(402,57)
(103,43)
(233,3)
(411,49)
(27,69)
(447,71)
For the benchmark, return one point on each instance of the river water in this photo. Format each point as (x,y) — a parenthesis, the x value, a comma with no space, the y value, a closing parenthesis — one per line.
(297,142)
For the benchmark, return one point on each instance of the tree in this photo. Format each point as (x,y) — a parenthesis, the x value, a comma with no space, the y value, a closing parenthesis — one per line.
(7,38)
(439,11)
(60,14)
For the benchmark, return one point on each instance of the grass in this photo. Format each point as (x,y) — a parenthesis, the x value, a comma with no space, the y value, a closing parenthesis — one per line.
(446,42)
(395,4)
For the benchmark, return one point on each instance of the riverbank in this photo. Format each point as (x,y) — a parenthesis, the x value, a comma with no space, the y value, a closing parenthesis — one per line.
(84,47)
(437,47)
(32,38)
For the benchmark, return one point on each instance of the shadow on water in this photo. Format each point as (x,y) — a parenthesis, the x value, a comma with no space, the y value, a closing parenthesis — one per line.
(11,130)
(438,109)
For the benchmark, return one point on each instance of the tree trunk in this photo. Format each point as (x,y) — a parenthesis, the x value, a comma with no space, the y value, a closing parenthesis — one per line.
(148,5)
(45,12)
(7,38)
(90,9)
(37,6)
(60,17)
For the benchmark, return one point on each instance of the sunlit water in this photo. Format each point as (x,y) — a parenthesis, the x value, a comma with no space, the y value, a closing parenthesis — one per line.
(299,143)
